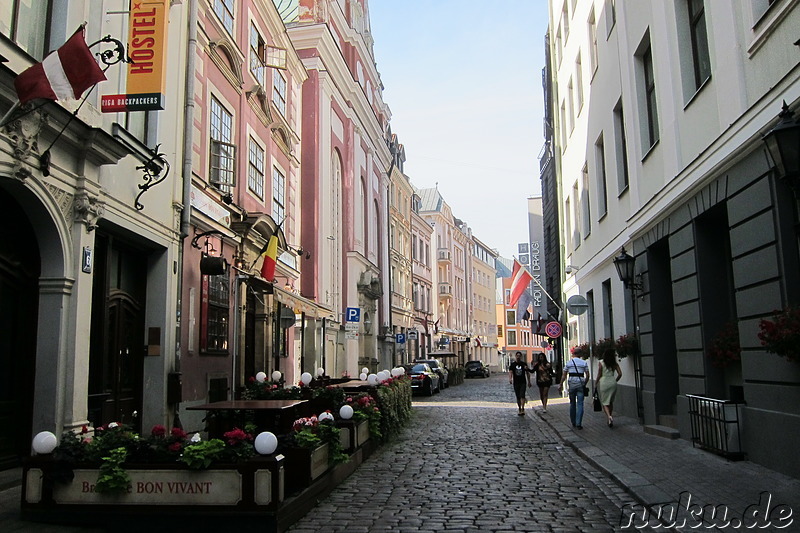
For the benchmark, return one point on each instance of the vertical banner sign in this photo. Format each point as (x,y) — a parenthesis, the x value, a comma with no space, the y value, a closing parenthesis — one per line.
(147,47)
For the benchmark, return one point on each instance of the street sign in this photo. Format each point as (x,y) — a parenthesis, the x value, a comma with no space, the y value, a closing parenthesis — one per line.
(353,314)
(412,334)
(352,326)
(400,338)
(351,335)
(577,304)
(553,330)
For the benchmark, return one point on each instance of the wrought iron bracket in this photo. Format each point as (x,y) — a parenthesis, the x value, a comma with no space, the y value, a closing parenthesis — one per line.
(205,234)
(156,170)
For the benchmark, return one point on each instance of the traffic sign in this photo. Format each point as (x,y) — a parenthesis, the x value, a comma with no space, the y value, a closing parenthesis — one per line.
(577,304)
(353,314)
(400,338)
(553,330)
(352,326)
(412,334)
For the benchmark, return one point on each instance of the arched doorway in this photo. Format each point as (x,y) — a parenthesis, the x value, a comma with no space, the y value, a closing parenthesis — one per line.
(20,267)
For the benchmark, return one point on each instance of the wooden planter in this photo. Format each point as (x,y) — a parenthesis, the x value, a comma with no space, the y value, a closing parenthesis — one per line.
(304,465)
(174,490)
(353,434)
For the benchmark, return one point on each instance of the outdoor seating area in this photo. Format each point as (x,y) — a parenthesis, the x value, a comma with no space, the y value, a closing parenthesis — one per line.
(265,460)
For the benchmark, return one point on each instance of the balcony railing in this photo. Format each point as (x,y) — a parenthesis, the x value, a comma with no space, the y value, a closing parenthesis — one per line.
(444,255)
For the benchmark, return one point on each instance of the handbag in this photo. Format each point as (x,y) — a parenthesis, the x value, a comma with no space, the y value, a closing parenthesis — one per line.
(585,386)
(596,404)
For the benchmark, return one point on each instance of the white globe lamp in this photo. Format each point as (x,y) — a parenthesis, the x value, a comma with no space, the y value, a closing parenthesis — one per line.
(266,443)
(261,377)
(44,442)
(346,412)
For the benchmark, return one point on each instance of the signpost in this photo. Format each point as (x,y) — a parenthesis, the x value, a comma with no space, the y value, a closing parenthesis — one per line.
(352,324)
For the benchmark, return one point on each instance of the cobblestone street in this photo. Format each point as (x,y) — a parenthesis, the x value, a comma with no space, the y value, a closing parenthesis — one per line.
(467,462)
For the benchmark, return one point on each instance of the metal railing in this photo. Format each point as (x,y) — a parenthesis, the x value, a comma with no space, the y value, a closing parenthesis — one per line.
(716,426)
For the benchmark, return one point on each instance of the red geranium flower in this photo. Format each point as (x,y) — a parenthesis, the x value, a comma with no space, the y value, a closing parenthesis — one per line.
(179,433)
(175,446)
(158,431)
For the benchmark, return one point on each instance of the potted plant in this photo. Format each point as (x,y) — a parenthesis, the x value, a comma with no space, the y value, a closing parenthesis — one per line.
(316,447)
(367,416)
(601,345)
(580,350)
(626,345)
(724,348)
(781,335)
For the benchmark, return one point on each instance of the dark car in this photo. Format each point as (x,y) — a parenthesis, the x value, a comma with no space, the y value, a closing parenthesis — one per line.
(439,368)
(476,369)
(423,379)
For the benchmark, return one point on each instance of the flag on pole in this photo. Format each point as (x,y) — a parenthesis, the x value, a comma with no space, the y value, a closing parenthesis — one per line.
(520,280)
(270,254)
(63,74)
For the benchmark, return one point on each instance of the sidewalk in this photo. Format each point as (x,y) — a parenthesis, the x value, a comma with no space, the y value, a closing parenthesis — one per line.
(656,470)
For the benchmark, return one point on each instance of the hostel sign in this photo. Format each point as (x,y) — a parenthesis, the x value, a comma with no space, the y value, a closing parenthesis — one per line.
(147,47)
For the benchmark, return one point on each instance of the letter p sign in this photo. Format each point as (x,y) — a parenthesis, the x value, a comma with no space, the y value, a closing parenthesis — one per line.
(353,314)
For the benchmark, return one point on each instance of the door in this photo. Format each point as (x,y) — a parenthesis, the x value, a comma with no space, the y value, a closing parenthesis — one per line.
(19,298)
(117,341)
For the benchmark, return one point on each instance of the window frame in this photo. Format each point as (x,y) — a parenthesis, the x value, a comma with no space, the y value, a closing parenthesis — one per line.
(279,87)
(278,194)
(215,310)
(255,169)
(225,11)
(221,148)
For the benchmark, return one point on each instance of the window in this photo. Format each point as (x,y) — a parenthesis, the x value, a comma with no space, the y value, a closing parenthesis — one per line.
(215,314)
(511,317)
(592,42)
(255,169)
(559,47)
(278,195)
(649,93)
(571,104)
(579,82)
(563,121)
(512,338)
(600,170)
(608,315)
(414,254)
(576,216)
(224,10)
(565,22)
(621,146)
(611,16)
(585,204)
(697,28)
(257,55)
(222,173)
(279,91)
(26,23)
(499,330)
(568,225)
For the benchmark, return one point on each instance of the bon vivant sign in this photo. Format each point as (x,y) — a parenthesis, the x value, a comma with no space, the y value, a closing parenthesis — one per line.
(147,47)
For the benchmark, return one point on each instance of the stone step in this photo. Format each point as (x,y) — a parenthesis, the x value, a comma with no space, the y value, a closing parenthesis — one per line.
(671,421)
(662,431)
(10,478)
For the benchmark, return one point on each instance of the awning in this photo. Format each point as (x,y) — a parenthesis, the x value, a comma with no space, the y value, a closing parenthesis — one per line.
(299,304)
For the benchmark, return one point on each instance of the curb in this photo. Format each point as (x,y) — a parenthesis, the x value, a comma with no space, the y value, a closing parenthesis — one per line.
(639,487)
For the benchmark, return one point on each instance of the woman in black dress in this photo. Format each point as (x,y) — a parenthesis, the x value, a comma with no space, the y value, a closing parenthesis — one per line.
(544,378)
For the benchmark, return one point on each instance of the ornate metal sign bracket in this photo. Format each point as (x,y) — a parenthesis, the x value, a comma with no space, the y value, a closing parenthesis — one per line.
(156,170)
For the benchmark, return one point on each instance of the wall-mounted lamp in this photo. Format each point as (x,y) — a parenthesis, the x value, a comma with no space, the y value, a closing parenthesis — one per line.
(783,143)
(569,269)
(367,323)
(298,250)
(625,265)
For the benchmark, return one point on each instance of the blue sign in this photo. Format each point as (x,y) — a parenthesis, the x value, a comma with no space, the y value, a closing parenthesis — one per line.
(353,314)
(400,338)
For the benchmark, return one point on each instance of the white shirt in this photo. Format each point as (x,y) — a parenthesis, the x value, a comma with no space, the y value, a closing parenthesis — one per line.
(576,365)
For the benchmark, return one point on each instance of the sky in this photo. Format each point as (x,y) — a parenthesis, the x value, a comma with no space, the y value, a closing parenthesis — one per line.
(463,82)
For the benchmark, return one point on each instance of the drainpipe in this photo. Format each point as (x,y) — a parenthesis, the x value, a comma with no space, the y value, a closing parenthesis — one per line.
(188,119)
(388,265)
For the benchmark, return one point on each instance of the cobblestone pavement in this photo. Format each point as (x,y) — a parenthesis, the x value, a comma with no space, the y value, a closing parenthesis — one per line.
(467,463)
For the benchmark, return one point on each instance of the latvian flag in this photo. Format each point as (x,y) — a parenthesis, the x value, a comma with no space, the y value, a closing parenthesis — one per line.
(520,279)
(63,74)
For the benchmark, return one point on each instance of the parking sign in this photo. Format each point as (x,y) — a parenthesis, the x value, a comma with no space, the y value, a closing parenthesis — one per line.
(400,338)
(353,314)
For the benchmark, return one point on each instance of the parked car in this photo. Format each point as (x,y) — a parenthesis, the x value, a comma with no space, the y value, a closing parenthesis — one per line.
(423,378)
(476,369)
(439,368)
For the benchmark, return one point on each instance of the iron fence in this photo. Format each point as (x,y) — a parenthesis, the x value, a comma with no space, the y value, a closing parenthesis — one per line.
(716,426)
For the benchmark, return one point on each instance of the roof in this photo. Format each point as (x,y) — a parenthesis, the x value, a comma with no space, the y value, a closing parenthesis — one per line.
(431,199)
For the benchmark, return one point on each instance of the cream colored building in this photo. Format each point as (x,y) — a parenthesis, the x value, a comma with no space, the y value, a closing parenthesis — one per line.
(483,294)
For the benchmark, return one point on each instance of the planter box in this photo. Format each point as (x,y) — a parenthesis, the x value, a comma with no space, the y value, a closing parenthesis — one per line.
(303,466)
(171,489)
(353,434)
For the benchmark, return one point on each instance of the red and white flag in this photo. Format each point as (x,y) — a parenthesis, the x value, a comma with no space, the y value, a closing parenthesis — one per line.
(64,73)
(520,279)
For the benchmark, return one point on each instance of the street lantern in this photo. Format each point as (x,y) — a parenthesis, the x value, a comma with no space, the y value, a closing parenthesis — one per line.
(783,143)
(625,264)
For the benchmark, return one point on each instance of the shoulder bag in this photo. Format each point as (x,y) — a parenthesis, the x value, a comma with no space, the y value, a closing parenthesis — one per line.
(585,386)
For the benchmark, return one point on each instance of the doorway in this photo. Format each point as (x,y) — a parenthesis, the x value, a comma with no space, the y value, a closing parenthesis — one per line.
(116,353)
(20,267)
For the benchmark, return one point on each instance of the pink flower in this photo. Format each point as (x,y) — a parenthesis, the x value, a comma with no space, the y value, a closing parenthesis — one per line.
(84,429)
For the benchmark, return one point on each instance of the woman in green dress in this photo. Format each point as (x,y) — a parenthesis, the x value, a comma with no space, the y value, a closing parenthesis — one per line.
(608,373)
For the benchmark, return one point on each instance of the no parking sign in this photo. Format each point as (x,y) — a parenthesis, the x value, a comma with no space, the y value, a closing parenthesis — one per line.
(553,330)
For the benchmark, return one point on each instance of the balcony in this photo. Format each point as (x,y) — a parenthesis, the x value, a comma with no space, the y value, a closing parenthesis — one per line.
(444,256)
(445,290)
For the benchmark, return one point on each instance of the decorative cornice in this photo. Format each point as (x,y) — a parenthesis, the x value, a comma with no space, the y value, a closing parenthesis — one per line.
(23,133)
(88,210)
(223,55)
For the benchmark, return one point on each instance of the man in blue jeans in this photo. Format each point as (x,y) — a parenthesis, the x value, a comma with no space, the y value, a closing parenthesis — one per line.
(577,372)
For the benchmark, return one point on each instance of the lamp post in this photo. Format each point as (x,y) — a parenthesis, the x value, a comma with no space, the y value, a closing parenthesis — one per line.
(783,143)
(625,265)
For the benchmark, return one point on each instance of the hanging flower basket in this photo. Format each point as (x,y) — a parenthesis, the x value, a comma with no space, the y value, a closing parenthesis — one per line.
(626,345)
(602,345)
(580,350)
(724,348)
(781,335)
